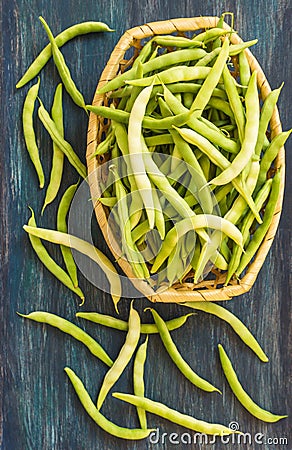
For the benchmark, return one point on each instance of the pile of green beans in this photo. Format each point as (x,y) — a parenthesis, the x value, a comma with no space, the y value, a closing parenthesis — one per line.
(223,143)
(189,143)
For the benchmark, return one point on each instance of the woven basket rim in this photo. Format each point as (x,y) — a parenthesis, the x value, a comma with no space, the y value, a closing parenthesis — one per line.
(132,37)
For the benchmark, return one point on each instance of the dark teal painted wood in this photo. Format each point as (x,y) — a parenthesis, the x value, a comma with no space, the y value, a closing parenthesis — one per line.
(39,410)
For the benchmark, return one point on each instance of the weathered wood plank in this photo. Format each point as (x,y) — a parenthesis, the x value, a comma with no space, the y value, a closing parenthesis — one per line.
(39,409)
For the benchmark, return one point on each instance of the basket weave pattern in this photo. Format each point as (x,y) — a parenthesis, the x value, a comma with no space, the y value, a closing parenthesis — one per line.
(211,290)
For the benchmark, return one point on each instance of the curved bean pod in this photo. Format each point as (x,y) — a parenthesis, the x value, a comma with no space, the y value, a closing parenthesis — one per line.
(210,35)
(178,360)
(244,69)
(236,49)
(73,330)
(123,357)
(136,89)
(62,213)
(176,41)
(240,393)
(63,69)
(250,135)
(136,151)
(204,194)
(235,102)
(47,260)
(134,257)
(28,131)
(61,39)
(138,379)
(173,75)
(221,105)
(265,117)
(99,419)
(58,155)
(118,324)
(63,145)
(155,64)
(212,79)
(147,122)
(270,154)
(245,229)
(174,416)
(56,237)
(240,329)
(263,228)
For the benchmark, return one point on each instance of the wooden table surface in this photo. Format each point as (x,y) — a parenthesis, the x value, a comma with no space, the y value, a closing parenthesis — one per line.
(39,409)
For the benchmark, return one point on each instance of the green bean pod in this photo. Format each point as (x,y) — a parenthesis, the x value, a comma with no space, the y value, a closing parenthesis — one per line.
(217,42)
(99,419)
(160,62)
(144,54)
(47,260)
(62,144)
(29,133)
(173,75)
(240,329)
(235,102)
(63,69)
(138,380)
(203,194)
(58,155)
(56,237)
(133,255)
(212,79)
(105,146)
(118,324)
(263,228)
(176,41)
(218,104)
(210,35)
(61,39)
(62,213)
(147,122)
(237,49)
(123,357)
(265,117)
(245,229)
(174,416)
(173,352)
(73,330)
(136,152)
(244,68)
(136,89)
(240,393)
(250,135)
(159,139)
(270,154)
(208,58)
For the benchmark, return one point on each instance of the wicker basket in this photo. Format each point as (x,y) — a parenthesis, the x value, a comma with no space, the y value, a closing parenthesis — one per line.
(212,290)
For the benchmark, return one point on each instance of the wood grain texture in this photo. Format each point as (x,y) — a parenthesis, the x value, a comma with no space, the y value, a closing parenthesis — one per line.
(39,409)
